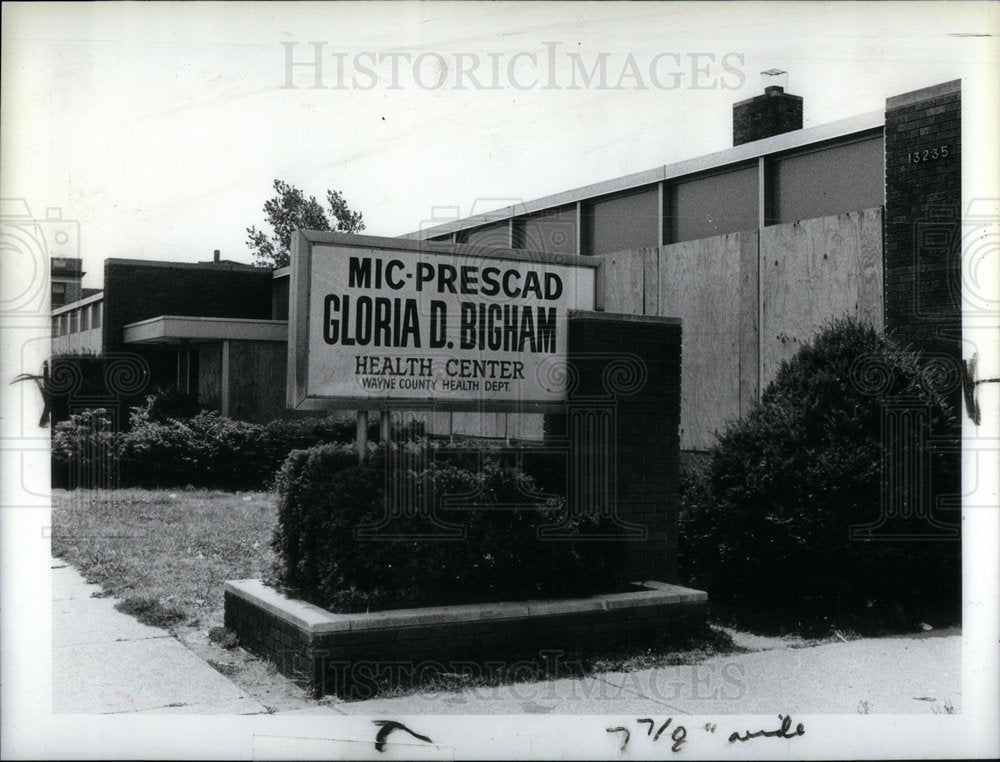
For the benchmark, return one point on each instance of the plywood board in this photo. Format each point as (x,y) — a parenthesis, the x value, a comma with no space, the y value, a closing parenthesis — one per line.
(700,282)
(478,424)
(651,280)
(749,321)
(815,271)
(210,376)
(257,372)
(623,281)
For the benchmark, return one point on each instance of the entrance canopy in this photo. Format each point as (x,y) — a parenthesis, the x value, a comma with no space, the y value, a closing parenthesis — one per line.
(173,329)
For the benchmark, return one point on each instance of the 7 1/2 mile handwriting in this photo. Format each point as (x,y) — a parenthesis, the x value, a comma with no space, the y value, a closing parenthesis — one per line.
(782,732)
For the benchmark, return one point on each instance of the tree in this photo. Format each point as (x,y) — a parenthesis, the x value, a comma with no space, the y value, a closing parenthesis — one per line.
(290,210)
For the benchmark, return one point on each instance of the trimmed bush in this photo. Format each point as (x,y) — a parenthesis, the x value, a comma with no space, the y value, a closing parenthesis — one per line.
(766,526)
(325,496)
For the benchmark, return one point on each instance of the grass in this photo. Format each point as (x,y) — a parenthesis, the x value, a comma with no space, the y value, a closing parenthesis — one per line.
(166,553)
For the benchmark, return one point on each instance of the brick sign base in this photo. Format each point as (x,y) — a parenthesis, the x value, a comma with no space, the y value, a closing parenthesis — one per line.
(345,653)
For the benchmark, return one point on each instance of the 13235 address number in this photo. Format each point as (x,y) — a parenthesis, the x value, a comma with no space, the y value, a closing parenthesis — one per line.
(928,154)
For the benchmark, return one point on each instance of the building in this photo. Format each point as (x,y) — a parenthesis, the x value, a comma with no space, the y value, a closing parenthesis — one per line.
(754,248)
(208,329)
(66,280)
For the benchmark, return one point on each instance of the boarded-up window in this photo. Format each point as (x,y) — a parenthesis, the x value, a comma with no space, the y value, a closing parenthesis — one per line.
(701,207)
(553,230)
(619,223)
(833,180)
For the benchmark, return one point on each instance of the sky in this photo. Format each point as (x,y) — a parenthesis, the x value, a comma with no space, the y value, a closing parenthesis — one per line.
(157,129)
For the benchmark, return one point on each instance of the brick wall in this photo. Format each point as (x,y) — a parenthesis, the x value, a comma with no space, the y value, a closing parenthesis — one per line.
(347,662)
(773,113)
(135,291)
(622,432)
(923,179)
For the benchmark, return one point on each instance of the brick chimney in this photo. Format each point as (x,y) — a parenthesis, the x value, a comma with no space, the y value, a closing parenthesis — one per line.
(215,256)
(772,113)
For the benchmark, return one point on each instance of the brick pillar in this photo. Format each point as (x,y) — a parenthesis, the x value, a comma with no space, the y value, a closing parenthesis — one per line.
(923,304)
(923,208)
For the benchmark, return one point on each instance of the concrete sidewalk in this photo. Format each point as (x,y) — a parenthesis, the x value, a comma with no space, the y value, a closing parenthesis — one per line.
(918,674)
(105,662)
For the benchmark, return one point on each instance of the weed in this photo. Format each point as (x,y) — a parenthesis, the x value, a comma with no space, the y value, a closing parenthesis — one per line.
(150,611)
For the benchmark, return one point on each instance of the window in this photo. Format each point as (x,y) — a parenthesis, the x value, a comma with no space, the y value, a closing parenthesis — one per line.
(74,321)
(95,321)
(553,230)
(833,180)
(622,222)
(702,207)
(496,234)
(85,318)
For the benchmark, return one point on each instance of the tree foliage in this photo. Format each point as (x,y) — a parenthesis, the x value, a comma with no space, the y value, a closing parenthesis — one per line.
(290,210)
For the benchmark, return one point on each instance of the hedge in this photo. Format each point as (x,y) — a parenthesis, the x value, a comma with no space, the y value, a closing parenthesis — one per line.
(205,451)
(325,495)
(766,527)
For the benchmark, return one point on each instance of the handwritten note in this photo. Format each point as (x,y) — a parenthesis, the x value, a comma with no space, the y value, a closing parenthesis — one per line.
(679,736)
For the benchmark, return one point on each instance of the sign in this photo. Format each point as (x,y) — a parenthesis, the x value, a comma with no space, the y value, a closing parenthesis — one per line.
(380,323)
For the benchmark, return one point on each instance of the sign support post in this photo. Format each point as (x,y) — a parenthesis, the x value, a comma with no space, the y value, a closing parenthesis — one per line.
(362,436)
(386,427)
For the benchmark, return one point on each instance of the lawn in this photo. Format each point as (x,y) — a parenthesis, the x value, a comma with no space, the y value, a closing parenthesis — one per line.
(165,552)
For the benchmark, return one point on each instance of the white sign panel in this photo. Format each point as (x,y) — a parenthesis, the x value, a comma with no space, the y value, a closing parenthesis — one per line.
(387,322)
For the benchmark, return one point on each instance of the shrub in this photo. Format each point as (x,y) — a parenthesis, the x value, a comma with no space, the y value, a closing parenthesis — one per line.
(85,450)
(766,526)
(168,403)
(325,495)
(205,450)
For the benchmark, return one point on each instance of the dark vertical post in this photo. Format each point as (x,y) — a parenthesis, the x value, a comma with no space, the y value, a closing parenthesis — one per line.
(362,435)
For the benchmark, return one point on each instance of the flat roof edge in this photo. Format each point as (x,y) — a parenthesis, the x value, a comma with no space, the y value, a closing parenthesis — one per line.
(924,94)
(204,319)
(239,267)
(737,154)
(79,303)
(354,240)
